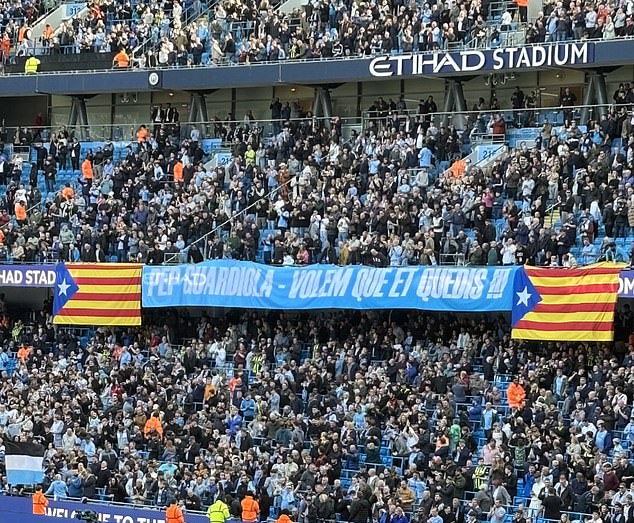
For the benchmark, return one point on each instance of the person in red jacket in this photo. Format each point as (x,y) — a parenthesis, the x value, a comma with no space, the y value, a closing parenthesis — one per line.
(498,127)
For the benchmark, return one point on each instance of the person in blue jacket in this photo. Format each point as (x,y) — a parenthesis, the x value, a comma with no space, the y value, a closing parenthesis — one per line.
(234,421)
(57,488)
(398,516)
(75,485)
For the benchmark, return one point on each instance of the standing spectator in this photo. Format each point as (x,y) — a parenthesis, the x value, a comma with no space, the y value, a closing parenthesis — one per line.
(567,100)
(515,394)
(359,509)
(57,488)
(497,512)
(250,508)
(552,505)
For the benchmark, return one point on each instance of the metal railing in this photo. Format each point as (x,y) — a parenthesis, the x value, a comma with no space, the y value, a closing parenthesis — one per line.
(554,114)
(190,16)
(457,258)
(481,43)
(47,7)
(493,139)
(126,132)
(49,50)
(205,252)
(550,211)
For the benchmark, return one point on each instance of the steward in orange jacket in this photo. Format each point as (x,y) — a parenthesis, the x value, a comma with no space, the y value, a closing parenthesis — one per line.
(153,424)
(24,353)
(39,502)
(86,170)
(20,211)
(250,508)
(178,172)
(284,518)
(142,134)
(174,514)
(515,395)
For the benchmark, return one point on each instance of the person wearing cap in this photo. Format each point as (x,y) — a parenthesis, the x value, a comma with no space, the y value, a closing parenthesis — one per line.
(174,514)
(39,502)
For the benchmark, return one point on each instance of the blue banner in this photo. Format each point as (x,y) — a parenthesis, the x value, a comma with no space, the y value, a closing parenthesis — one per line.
(20,509)
(27,275)
(626,284)
(224,283)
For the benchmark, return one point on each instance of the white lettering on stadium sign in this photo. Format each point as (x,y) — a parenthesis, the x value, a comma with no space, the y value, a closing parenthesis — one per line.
(488,60)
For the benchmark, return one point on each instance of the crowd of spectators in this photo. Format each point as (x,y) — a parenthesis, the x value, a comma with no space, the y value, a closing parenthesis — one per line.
(400,417)
(109,27)
(398,193)
(326,29)
(594,20)
(155,34)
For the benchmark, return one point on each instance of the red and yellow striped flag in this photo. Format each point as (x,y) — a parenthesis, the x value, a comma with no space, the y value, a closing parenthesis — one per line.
(560,304)
(98,294)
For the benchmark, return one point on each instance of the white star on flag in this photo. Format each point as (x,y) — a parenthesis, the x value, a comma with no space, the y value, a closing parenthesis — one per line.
(523,296)
(63,288)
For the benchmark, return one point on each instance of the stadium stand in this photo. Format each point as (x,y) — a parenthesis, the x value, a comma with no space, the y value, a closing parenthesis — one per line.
(304,193)
(201,33)
(412,414)
(398,416)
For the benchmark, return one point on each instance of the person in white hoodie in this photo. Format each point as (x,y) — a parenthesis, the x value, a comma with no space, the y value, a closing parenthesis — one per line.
(536,491)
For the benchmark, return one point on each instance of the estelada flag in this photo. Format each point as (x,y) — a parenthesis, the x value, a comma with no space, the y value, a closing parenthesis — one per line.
(561,304)
(105,294)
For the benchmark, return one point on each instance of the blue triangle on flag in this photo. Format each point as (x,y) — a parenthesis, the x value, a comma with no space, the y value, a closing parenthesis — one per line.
(65,288)
(525,296)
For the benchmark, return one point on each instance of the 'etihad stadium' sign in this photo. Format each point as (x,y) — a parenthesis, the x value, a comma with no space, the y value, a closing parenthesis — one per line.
(469,61)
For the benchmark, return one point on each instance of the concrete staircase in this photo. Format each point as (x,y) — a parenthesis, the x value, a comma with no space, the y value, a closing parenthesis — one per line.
(552,220)
(63,12)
